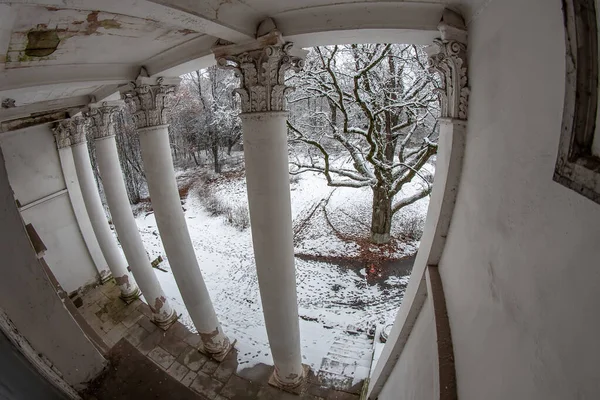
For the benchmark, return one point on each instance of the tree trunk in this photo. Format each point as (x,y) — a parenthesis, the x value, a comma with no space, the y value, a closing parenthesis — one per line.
(215,154)
(381,221)
(195,159)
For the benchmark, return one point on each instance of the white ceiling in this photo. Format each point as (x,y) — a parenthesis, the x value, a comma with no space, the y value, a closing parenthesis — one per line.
(106,42)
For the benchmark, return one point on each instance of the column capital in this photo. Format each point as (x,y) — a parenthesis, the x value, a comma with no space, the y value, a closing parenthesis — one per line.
(101,118)
(261,67)
(448,58)
(147,98)
(79,127)
(62,133)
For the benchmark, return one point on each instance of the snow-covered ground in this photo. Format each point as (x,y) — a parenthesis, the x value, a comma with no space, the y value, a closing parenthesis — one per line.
(331,297)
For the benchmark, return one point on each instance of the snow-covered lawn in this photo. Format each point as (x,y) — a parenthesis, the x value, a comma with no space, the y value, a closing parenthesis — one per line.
(331,297)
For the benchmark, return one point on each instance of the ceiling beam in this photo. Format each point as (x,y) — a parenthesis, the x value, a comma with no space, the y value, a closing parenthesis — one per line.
(200,18)
(38,119)
(232,14)
(50,75)
(28,110)
(190,56)
(361,22)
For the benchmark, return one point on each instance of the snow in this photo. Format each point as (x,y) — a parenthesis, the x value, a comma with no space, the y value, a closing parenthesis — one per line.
(330,296)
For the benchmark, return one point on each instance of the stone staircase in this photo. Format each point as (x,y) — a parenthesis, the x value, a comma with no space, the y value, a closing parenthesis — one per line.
(347,362)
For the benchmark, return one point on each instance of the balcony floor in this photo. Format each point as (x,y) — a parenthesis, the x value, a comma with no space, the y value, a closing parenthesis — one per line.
(147,362)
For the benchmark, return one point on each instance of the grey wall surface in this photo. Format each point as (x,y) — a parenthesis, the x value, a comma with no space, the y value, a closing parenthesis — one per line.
(413,376)
(19,380)
(521,267)
(34,172)
(30,301)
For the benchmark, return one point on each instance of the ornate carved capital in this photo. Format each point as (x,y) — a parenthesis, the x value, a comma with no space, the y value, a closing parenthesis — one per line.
(449,60)
(261,67)
(79,128)
(148,98)
(62,133)
(101,118)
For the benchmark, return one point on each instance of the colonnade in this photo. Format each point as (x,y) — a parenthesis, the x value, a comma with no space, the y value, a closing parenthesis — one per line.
(261,66)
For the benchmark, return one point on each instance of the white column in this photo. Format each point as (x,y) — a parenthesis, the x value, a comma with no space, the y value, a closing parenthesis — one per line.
(148,97)
(63,143)
(262,92)
(118,202)
(93,204)
(268,185)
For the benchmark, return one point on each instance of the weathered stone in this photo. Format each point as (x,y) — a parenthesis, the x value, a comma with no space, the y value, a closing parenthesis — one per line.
(148,325)
(189,378)
(192,358)
(227,367)
(115,334)
(178,371)
(178,330)
(210,367)
(145,309)
(132,318)
(136,334)
(161,357)
(193,339)
(174,345)
(238,388)
(206,385)
(150,342)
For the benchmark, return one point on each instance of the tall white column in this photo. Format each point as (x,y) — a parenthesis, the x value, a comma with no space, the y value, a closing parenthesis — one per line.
(93,205)
(148,98)
(262,69)
(118,202)
(62,134)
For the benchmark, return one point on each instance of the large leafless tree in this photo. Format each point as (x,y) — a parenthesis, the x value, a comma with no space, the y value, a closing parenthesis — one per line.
(367,114)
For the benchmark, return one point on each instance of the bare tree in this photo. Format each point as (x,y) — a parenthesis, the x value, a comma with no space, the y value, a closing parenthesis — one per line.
(367,114)
(205,116)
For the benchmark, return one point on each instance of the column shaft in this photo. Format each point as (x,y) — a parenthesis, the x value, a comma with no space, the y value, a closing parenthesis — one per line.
(95,210)
(83,220)
(158,165)
(267,178)
(129,236)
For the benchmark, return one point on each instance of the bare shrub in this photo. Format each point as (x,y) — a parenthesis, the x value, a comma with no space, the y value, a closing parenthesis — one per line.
(412,226)
(213,204)
(235,215)
(238,216)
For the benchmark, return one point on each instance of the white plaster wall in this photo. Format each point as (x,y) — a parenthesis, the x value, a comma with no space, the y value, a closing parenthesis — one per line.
(414,375)
(34,171)
(32,163)
(31,303)
(521,267)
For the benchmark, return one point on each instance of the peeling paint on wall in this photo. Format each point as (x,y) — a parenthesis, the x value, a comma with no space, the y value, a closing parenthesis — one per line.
(51,35)
(41,43)
(158,304)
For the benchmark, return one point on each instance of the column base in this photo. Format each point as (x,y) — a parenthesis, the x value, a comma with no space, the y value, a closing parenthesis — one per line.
(105,276)
(297,387)
(220,356)
(133,296)
(167,323)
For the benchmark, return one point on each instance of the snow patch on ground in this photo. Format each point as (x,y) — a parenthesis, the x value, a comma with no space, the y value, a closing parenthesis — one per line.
(330,296)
